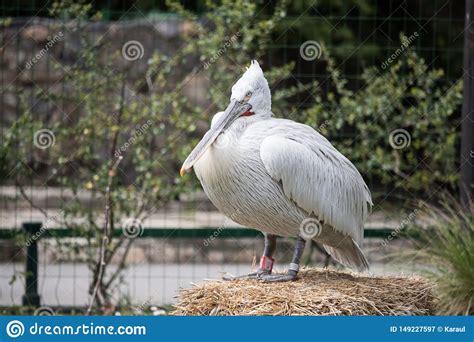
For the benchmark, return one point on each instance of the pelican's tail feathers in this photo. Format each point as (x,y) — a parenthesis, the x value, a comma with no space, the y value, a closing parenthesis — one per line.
(349,255)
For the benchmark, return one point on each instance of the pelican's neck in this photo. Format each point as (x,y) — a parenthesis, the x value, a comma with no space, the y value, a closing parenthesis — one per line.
(238,127)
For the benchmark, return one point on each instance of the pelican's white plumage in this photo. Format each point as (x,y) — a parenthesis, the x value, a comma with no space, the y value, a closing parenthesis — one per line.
(337,195)
(272,174)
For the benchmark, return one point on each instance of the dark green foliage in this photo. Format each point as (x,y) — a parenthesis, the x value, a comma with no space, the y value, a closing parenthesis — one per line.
(409,96)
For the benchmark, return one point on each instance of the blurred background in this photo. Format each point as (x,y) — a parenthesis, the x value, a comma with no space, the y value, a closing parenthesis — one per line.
(101,102)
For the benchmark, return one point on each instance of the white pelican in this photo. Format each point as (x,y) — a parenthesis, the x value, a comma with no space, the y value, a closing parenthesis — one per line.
(282,178)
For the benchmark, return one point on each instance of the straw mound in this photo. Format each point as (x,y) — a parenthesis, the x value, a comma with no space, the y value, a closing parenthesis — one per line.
(316,292)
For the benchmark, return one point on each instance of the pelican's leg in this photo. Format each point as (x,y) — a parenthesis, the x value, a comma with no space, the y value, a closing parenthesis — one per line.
(266,261)
(292,269)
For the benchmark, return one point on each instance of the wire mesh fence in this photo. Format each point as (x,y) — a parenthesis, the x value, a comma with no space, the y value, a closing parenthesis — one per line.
(36,57)
(160,263)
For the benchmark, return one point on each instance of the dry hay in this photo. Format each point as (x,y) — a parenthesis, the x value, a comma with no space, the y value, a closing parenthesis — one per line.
(316,292)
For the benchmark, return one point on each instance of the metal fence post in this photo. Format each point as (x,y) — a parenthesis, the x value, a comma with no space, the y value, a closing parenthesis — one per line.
(31,296)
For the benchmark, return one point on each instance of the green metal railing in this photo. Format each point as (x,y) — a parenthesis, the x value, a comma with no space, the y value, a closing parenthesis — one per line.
(32,296)
(169,233)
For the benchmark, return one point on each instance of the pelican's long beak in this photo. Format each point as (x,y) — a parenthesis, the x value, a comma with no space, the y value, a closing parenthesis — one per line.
(232,112)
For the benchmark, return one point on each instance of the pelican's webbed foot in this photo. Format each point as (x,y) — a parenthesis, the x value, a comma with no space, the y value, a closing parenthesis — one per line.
(259,274)
(278,278)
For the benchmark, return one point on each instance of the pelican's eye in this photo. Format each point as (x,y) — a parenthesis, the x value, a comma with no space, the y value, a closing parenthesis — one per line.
(248,95)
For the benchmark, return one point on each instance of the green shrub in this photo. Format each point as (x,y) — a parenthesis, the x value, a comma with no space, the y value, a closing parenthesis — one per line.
(400,128)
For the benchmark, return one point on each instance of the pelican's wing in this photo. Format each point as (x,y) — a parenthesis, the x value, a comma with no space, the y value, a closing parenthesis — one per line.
(318,178)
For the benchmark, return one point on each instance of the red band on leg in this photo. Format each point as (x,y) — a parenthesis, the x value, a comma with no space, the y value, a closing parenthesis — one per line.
(266,263)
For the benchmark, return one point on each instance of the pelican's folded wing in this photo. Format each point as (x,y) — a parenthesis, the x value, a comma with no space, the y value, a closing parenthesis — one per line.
(319,179)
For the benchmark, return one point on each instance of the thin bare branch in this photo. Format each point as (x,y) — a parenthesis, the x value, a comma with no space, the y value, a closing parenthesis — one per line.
(100,267)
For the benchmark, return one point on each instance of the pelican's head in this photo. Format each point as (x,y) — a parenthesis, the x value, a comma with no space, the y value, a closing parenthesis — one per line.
(250,97)
(252,88)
